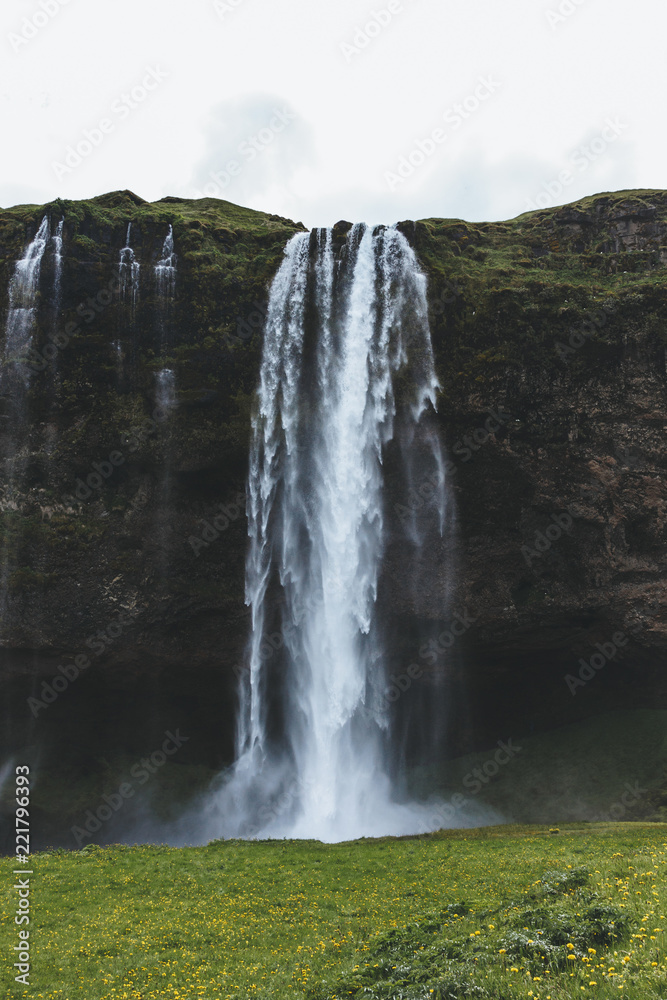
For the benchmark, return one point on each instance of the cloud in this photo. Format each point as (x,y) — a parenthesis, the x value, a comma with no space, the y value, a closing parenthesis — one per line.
(256,148)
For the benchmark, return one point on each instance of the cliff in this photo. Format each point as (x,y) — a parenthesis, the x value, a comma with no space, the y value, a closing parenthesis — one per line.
(126,545)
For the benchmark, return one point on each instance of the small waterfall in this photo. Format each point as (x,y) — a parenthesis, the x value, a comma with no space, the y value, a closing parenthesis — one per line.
(55,306)
(347,362)
(23,289)
(58,267)
(128,273)
(14,385)
(165,280)
(165,269)
(165,396)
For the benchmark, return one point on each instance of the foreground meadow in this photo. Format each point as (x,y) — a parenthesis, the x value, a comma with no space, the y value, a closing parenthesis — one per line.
(505,913)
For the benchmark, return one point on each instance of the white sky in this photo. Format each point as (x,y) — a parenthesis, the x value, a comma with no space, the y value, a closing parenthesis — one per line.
(554,86)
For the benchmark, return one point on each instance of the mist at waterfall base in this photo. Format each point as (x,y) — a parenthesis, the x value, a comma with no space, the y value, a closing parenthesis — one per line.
(347,387)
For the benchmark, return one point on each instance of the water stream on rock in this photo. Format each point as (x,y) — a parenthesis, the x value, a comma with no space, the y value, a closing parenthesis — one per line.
(165,270)
(165,396)
(15,382)
(128,273)
(58,266)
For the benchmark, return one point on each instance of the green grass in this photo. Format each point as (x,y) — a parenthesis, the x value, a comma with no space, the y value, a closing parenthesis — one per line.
(490,913)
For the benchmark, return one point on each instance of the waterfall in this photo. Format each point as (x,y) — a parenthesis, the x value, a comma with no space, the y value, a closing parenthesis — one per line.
(23,289)
(165,396)
(347,363)
(165,279)
(165,269)
(19,330)
(58,267)
(55,306)
(128,273)
(165,404)
(15,382)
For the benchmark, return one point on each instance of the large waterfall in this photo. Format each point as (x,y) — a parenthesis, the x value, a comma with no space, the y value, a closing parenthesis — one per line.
(347,357)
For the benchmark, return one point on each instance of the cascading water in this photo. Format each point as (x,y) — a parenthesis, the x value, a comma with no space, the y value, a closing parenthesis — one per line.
(347,361)
(165,280)
(128,273)
(55,305)
(15,379)
(58,267)
(23,289)
(165,397)
(165,269)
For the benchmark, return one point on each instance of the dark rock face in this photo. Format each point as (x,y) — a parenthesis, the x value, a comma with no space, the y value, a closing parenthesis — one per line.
(550,334)
(562,509)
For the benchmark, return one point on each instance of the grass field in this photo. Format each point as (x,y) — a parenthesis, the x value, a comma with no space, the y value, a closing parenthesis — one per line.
(502,912)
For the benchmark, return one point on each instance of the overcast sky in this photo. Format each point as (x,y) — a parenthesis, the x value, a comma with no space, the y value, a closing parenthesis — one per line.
(322,110)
